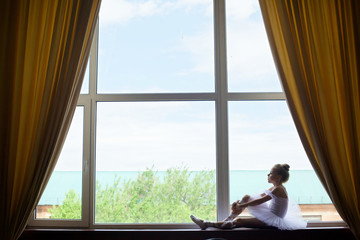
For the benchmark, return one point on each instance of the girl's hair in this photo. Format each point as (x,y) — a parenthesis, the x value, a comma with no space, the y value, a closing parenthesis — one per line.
(283,171)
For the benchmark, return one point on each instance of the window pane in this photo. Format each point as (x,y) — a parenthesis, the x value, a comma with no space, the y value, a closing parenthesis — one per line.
(155,162)
(262,134)
(250,64)
(62,196)
(156,46)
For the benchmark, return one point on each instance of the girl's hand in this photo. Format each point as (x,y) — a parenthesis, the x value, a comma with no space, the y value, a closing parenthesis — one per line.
(235,207)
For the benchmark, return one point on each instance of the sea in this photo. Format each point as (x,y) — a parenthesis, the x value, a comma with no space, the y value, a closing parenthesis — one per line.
(303,186)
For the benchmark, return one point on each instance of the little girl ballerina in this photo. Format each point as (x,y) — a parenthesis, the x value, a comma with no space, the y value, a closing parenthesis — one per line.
(270,209)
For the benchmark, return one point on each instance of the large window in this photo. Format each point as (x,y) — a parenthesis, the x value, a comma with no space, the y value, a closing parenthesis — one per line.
(181,113)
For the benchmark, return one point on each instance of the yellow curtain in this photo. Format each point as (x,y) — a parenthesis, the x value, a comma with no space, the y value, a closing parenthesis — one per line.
(44,47)
(316,47)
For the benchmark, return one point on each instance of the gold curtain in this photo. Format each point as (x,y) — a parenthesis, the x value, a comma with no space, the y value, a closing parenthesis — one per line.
(44,47)
(316,48)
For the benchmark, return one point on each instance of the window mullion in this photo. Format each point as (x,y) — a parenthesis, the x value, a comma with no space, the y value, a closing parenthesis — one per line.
(222,158)
(86,164)
(92,93)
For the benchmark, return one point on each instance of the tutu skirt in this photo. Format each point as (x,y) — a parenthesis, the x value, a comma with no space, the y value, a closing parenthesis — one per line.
(292,220)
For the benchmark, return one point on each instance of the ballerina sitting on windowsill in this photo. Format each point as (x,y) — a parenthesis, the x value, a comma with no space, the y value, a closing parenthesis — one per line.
(270,209)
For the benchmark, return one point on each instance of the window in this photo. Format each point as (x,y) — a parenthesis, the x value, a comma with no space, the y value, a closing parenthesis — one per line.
(63,199)
(150,147)
(181,112)
(161,46)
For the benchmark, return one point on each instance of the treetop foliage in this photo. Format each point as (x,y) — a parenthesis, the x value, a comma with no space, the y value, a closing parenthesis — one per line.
(149,198)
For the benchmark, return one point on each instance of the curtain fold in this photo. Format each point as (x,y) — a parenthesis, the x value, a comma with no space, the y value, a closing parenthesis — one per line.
(315,45)
(44,48)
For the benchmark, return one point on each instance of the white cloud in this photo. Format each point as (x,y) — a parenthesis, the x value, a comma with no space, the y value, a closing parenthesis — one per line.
(270,139)
(239,10)
(250,63)
(200,46)
(249,53)
(161,134)
(188,5)
(134,136)
(71,155)
(122,11)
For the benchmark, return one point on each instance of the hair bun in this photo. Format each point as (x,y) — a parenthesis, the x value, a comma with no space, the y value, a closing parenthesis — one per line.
(285,166)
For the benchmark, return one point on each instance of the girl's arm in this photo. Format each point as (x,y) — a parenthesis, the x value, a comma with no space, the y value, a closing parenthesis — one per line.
(255,202)
(264,194)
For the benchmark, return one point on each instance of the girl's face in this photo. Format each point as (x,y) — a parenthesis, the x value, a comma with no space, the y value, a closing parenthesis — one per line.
(273,177)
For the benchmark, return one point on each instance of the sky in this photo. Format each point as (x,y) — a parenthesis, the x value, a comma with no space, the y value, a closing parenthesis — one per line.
(167,46)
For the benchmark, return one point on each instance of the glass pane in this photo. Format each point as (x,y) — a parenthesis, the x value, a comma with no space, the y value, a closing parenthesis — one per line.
(155,162)
(62,196)
(263,134)
(156,46)
(85,85)
(250,64)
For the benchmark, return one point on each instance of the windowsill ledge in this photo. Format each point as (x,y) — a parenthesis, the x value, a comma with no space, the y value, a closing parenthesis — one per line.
(309,233)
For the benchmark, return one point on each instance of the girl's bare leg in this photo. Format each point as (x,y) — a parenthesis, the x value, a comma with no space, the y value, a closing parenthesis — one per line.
(205,224)
(235,212)
(250,223)
(237,223)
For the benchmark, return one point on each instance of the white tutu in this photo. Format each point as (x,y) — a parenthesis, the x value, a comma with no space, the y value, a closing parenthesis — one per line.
(291,221)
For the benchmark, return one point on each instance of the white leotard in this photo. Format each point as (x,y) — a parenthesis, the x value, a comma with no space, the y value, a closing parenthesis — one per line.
(278,205)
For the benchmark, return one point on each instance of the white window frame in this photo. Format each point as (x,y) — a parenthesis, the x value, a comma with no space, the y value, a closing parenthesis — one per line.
(220,96)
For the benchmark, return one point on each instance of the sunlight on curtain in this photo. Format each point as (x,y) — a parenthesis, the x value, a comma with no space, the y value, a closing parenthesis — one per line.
(44,49)
(316,50)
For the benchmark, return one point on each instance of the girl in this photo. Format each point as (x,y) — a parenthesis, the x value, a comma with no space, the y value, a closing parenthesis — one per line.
(270,209)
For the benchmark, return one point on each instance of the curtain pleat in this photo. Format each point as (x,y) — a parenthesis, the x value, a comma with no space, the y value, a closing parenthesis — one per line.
(315,45)
(44,47)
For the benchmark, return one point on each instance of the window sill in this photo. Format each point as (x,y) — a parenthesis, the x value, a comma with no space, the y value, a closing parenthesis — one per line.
(329,233)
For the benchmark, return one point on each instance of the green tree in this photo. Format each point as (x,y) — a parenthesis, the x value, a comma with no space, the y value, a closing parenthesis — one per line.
(149,199)
(70,208)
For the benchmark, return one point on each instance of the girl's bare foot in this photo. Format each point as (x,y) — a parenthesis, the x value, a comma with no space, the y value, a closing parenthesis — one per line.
(198,222)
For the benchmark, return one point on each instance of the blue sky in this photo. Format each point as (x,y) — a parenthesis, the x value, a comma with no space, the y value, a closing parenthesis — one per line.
(178,54)
(167,46)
